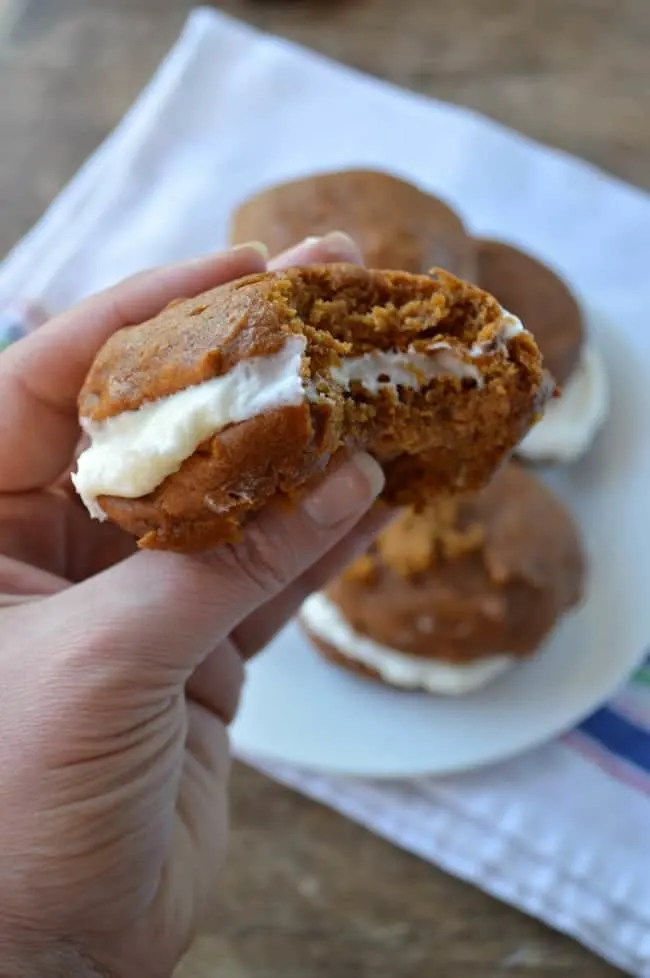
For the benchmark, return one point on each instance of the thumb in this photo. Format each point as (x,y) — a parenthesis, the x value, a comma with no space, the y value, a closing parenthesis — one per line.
(159,615)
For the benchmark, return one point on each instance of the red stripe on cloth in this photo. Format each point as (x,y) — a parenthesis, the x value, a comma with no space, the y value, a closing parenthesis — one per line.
(615,767)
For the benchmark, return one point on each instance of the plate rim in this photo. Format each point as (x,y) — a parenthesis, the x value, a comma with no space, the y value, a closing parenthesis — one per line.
(599,322)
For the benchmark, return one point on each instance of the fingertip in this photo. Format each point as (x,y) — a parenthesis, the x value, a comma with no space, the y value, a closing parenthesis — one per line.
(337,246)
(372,471)
(340,246)
(346,494)
(258,248)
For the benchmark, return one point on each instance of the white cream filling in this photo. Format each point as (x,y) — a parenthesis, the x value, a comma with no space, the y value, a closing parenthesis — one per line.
(133,452)
(511,325)
(382,369)
(324,620)
(571,422)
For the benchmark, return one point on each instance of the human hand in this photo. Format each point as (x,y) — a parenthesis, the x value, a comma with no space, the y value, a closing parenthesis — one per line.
(120,671)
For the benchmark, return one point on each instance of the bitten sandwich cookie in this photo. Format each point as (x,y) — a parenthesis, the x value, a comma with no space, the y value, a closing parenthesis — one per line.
(222,403)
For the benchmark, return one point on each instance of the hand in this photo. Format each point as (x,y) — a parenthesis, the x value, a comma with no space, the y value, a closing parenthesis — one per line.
(120,671)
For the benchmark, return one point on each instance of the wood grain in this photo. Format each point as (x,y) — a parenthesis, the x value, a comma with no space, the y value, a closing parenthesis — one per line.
(305,892)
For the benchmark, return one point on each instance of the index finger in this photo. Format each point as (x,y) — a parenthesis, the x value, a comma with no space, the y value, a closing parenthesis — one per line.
(40,377)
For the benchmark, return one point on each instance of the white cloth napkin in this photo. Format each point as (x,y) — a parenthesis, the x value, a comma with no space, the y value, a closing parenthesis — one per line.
(564,832)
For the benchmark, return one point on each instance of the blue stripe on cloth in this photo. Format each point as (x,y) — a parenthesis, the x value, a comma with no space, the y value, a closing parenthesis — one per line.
(619,736)
(11,329)
(19,320)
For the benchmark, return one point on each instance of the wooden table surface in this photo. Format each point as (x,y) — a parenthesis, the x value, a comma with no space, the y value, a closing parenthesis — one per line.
(307,893)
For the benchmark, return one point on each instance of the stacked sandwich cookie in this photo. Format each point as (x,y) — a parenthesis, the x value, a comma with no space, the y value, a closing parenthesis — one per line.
(449,598)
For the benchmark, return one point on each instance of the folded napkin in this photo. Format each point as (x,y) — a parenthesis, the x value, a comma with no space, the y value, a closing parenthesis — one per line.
(563,832)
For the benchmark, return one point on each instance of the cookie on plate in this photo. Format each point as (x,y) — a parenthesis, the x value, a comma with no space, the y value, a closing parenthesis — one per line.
(450,597)
(199,417)
(544,302)
(397,225)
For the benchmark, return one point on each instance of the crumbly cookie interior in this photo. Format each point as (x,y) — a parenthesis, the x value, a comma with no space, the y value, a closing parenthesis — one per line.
(378,313)
(436,316)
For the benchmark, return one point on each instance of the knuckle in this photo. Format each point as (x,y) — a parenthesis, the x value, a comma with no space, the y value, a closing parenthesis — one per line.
(265,559)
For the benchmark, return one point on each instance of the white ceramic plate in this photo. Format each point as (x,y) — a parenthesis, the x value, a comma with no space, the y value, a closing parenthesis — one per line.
(300,710)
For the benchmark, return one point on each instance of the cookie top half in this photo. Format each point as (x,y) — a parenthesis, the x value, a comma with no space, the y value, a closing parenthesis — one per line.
(467,579)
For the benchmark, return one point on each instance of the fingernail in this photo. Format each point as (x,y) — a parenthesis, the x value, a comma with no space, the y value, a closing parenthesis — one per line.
(257,246)
(347,493)
(341,247)
(339,238)
(333,247)
(333,238)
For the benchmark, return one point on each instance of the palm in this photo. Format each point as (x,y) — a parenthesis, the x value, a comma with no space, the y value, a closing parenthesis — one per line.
(50,531)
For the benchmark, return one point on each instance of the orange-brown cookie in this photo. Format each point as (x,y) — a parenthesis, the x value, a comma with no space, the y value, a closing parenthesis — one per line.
(202,415)
(396,225)
(531,291)
(448,597)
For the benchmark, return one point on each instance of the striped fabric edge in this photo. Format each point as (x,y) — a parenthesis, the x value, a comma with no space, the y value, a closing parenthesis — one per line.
(19,320)
(616,738)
